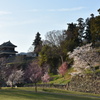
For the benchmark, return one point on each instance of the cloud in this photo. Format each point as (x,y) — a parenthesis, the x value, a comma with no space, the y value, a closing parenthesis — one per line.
(17,23)
(57,10)
(34,10)
(66,9)
(5,12)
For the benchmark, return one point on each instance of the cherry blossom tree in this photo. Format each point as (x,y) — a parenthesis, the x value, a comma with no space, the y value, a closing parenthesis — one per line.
(85,57)
(34,73)
(63,69)
(15,77)
(45,78)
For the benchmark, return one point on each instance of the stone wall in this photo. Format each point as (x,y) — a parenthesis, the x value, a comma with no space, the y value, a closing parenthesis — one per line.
(89,83)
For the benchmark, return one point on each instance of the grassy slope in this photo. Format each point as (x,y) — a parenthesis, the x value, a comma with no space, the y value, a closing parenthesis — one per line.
(58,79)
(29,94)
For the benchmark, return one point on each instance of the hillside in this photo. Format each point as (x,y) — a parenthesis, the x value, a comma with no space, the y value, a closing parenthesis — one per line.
(84,75)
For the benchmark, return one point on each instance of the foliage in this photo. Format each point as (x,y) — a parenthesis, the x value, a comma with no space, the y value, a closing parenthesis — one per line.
(85,57)
(52,52)
(58,79)
(54,38)
(95,29)
(45,78)
(10,74)
(63,69)
(55,49)
(37,43)
(37,40)
(44,54)
(71,36)
(15,77)
(49,55)
(87,32)
(58,43)
(33,73)
(3,71)
(98,10)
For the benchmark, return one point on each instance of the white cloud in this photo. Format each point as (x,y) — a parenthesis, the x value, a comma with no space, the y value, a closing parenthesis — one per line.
(66,9)
(59,10)
(5,13)
(16,23)
(34,10)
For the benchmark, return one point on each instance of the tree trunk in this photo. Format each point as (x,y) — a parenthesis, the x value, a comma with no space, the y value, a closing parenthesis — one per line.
(43,86)
(35,87)
(0,87)
(61,59)
(12,85)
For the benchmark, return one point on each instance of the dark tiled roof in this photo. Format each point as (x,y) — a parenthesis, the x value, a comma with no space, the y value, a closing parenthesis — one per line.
(7,44)
(8,52)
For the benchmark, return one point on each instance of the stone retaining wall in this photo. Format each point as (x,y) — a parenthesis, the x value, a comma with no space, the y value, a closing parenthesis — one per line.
(85,83)
(89,83)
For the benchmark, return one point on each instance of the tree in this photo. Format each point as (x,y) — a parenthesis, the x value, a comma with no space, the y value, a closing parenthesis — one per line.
(71,40)
(45,78)
(15,77)
(51,50)
(63,69)
(33,73)
(81,26)
(31,48)
(99,10)
(95,29)
(87,33)
(72,31)
(85,57)
(3,71)
(48,55)
(92,15)
(37,43)
(54,38)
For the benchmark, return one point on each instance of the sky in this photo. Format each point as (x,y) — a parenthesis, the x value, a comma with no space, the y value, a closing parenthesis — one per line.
(20,20)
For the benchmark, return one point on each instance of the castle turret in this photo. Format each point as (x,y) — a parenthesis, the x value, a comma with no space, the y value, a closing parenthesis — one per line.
(7,49)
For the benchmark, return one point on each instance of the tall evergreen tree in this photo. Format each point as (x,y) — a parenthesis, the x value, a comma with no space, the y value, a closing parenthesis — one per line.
(37,43)
(71,31)
(81,26)
(87,33)
(92,15)
(71,37)
(95,29)
(99,10)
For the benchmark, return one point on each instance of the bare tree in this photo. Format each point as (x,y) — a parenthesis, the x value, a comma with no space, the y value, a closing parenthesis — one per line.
(54,38)
(31,48)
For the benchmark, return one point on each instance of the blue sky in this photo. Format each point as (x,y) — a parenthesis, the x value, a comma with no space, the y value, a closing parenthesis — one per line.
(20,20)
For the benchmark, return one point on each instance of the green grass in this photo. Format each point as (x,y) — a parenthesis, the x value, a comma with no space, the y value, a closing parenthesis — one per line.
(54,90)
(58,79)
(29,94)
